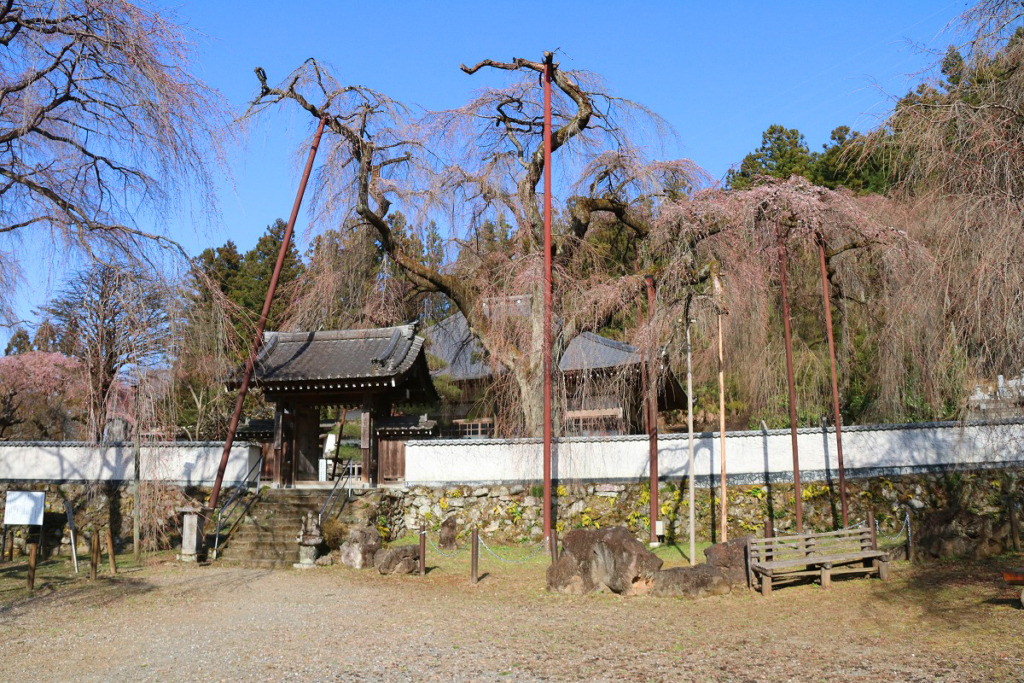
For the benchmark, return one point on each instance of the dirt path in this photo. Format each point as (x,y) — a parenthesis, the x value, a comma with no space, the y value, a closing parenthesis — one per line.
(205,623)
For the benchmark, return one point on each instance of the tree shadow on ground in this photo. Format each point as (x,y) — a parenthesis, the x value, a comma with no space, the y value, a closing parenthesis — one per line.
(76,591)
(954,593)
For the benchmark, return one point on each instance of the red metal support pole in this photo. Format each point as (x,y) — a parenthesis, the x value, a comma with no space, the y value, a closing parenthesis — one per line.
(792,384)
(258,337)
(548,67)
(651,403)
(835,381)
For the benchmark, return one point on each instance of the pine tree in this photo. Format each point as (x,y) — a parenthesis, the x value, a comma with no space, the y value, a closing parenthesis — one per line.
(256,269)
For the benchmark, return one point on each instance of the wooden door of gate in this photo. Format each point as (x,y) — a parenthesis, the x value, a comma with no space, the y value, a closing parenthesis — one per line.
(391,456)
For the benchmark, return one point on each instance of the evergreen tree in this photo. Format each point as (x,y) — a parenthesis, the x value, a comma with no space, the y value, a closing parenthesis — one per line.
(249,289)
(222,265)
(783,153)
(847,163)
(19,343)
(436,307)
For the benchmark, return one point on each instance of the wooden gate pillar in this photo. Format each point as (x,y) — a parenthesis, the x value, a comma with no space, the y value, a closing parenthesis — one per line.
(278,444)
(367,442)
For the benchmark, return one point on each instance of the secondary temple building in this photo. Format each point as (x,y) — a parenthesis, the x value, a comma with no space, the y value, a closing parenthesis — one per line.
(601,379)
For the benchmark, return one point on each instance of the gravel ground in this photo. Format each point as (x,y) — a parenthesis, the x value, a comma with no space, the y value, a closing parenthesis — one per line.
(171,622)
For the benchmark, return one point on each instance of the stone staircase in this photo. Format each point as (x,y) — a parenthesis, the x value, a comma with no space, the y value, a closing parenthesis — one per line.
(265,539)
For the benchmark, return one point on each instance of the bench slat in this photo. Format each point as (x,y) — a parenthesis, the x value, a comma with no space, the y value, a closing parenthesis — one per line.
(809,560)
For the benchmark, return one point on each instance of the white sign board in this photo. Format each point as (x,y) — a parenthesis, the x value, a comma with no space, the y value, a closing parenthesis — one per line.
(24,507)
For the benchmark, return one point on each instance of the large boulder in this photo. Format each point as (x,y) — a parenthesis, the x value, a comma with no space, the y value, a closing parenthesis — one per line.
(961,533)
(401,560)
(448,533)
(607,557)
(690,582)
(571,574)
(730,558)
(359,550)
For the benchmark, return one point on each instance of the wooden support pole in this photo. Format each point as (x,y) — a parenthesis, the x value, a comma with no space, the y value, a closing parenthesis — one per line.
(651,406)
(554,545)
(724,515)
(423,549)
(10,548)
(136,484)
(94,555)
(110,551)
(835,381)
(3,543)
(32,566)
(910,535)
(475,556)
(689,435)
(798,498)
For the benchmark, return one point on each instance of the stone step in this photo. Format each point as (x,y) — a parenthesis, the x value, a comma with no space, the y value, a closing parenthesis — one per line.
(258,564)
(260,554)
(248,536)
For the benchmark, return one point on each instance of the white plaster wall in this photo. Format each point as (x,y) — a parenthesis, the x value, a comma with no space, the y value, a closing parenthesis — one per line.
(749,454)
(192,463)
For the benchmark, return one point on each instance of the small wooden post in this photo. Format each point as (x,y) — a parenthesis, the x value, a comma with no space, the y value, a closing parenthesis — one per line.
(554,545)
(32,566)
(10,548)
(423,549)
(475,555)
(94,555)
(3,543)
(769,532)
(874,531)
(110,551)
(1014,523)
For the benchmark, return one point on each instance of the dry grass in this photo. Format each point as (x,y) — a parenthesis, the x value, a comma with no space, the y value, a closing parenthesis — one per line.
(949,622)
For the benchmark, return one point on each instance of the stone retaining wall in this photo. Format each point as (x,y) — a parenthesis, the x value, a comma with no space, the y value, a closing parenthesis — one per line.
(513,513)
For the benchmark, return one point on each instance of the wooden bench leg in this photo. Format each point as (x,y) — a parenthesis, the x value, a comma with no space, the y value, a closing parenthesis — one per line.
(826,576)
(883,569)
(766,585)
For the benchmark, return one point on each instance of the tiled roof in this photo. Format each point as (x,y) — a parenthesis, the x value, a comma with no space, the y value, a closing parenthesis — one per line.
(451,341)
(590,351)
(337,354)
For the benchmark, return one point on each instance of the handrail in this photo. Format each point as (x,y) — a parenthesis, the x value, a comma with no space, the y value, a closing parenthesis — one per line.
(234,499)
(328,507)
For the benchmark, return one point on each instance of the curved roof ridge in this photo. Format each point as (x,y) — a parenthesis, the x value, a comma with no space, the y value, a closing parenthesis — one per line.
(332,335)
(611,343)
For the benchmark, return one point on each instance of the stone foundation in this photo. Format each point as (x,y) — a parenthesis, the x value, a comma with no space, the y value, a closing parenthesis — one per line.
(514,513)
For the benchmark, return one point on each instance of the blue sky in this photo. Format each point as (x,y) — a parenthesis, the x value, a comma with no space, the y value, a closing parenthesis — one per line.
(719,73)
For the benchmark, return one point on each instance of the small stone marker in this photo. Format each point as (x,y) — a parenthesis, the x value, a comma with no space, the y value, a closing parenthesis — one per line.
(191,534)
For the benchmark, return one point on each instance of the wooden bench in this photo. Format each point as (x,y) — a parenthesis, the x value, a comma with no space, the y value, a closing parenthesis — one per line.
(850,551)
